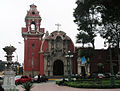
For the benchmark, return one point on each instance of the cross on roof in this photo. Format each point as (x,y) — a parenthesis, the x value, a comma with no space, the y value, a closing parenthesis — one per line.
(58,25)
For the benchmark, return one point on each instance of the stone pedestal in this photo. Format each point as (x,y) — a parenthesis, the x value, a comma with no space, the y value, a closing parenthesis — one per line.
(9,74)
(9,80)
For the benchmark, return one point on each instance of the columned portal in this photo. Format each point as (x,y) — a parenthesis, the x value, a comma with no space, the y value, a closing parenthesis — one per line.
(58,68)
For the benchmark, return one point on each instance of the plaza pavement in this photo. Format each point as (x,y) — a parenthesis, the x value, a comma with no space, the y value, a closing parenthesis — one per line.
(51,86)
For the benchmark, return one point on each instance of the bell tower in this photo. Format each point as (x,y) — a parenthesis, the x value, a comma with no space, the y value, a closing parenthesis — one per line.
(32,35)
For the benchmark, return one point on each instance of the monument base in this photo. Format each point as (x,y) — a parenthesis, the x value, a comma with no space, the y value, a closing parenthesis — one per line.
(11,89)
(9,80)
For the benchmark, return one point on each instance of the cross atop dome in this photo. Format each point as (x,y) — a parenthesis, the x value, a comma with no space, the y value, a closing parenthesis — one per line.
(58,25)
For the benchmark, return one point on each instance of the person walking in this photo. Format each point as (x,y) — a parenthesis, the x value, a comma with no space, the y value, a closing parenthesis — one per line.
(38,80)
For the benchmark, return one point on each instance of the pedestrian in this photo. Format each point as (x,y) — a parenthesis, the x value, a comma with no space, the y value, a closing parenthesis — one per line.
(88,75)
(38,80)
(1,88)
(64,79)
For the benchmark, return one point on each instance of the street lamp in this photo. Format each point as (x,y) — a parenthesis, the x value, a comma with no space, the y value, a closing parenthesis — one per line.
(69,55)
(110,44)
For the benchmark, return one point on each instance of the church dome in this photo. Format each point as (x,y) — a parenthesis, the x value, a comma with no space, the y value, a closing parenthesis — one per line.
(55,34)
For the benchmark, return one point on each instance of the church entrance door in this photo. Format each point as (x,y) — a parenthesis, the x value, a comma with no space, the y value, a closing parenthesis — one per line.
(58,68)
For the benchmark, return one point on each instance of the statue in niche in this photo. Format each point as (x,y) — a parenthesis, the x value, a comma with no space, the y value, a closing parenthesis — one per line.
(58,43)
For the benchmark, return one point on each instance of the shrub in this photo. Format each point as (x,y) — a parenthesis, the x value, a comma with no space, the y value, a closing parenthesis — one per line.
(57,82)
(27,86)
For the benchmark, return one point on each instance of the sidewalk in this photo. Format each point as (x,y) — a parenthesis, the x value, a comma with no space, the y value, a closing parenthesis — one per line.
(51,86)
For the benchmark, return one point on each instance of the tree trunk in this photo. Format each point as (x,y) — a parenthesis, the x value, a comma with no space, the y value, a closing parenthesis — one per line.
(93,45)
(118,54)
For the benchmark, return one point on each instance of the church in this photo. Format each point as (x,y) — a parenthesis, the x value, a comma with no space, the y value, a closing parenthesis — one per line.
(45,53)
(54,54)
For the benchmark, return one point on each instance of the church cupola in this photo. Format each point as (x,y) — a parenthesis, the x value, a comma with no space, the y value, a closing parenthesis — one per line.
(33,21)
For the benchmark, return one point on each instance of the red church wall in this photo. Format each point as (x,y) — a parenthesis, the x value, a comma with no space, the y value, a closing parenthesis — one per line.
(25,54)
(41,64)
(71,47)
(24,29)
(75,64)
(101,56)
(32,35)
(32,47)
(44,48)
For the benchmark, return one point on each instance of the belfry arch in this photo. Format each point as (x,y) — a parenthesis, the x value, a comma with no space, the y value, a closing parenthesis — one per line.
(58,68)
(33,26)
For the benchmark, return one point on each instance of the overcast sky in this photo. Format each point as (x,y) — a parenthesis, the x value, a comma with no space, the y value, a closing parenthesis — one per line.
(12,19)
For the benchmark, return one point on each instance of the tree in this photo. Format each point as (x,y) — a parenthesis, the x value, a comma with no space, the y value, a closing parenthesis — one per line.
(82,38)
(2,65)
(86,17)
(87,52)
(89,14)
(110,14)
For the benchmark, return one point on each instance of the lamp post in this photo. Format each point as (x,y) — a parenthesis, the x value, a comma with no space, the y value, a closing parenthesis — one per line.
(112,78)
(69,55)
(16,63)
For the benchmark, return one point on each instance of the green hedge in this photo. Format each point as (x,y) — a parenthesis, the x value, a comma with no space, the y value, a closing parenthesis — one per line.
(89,85)
(101,84)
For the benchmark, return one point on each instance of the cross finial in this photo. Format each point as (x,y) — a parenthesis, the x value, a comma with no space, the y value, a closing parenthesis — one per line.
(58,25)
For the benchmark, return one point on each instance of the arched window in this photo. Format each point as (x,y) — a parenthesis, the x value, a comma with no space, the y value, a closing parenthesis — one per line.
(33,26)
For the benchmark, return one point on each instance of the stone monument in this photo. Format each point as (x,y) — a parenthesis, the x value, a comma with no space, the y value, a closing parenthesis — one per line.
(9,74)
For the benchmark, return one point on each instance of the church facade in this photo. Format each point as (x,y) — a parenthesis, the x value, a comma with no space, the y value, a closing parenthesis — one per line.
(45,53)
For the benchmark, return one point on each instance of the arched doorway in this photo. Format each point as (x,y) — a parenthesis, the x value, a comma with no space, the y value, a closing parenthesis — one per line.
(58,68)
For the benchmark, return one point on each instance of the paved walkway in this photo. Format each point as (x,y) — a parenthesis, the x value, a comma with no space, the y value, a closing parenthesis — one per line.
(51,86)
